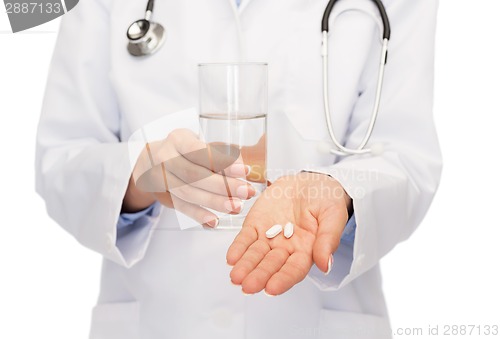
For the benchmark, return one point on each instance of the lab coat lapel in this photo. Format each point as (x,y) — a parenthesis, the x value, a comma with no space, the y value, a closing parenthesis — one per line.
(243,5)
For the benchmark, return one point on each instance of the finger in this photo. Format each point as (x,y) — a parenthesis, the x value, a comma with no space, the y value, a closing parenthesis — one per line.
(257,279)
(249,261)
(292,272)
(156,179)
(331,224)
(204,198)
(214,156)
(199,214)
(161,156)
(205,179)
(246,237)
(183,144)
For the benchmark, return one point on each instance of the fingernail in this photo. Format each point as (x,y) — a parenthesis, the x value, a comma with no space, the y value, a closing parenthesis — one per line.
(248,169)
(246,294)
(232,205)
(269,295)
(330,262)
(233,283)
(245,191)
(236,170)
(210,221)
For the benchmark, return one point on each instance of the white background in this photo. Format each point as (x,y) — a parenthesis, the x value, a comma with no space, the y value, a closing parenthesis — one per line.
(446,274)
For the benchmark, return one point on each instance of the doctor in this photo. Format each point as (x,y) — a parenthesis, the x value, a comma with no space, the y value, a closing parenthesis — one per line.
(161,282)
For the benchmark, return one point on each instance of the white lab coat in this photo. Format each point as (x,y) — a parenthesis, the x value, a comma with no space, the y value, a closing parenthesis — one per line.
(161,282)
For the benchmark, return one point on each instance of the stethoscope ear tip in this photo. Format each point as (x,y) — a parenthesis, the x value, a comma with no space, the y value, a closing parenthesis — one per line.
(377,149)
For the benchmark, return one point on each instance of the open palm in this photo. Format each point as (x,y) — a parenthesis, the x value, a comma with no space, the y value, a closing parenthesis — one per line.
(275,265)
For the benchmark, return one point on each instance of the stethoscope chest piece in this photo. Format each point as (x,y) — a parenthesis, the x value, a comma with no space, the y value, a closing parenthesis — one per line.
(145,37)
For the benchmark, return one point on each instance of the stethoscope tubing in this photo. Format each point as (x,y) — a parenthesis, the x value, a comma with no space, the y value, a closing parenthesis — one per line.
(341,150)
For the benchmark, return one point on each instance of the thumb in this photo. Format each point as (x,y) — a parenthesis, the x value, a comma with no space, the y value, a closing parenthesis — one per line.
(331,223)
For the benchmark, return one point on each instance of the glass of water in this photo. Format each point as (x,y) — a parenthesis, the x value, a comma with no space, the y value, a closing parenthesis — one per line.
(233,113)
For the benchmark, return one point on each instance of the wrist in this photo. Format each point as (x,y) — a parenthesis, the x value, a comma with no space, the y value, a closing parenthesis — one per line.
(136,200)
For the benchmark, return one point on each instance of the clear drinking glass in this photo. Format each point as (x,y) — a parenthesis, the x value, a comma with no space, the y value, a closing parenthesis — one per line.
(233,112)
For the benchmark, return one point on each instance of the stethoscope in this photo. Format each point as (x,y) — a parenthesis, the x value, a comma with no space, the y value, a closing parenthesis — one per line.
(341,150)
(146,37)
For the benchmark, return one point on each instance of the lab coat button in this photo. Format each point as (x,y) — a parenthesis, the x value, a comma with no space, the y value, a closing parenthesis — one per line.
(222,318)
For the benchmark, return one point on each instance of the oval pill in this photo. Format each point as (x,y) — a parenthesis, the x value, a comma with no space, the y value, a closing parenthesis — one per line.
(288,230)
(274,231)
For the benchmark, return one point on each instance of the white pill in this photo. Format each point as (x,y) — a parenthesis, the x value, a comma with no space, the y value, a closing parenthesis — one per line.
(288,230)
(274,231)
